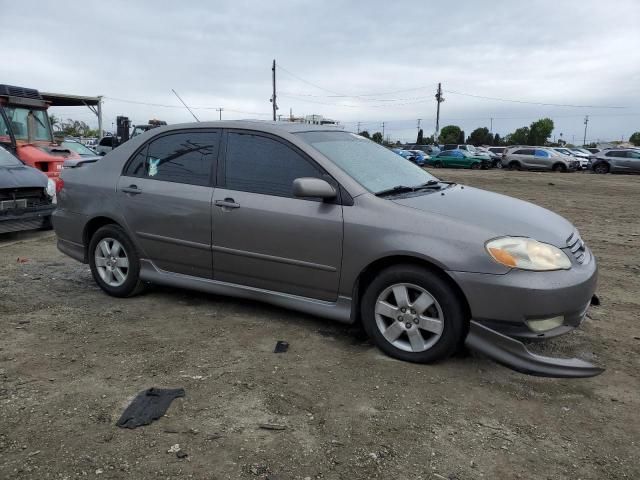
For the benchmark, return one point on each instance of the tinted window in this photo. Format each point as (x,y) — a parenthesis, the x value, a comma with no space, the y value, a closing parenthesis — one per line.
(614,153)
(263,165)
(523,151)
(449,147)
(631,154)
(179,157)
(106,142)
(542,153)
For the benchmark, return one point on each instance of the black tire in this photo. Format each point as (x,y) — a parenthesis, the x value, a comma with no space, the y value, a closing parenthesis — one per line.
(514,165)
(132,284)
(475,166)
(601,168)
(497,164)
(437,164)
(455,321)
(559,167)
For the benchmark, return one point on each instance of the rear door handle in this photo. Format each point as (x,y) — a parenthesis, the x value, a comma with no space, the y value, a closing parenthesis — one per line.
(133,189)
(227,203)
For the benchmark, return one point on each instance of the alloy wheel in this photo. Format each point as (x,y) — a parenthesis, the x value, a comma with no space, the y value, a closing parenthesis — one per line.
(112,262)
(409,317)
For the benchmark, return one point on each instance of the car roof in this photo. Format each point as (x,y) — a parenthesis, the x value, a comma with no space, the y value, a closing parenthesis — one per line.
(263,125)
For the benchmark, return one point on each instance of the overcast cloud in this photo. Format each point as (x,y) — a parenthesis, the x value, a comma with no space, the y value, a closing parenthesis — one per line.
(219,53)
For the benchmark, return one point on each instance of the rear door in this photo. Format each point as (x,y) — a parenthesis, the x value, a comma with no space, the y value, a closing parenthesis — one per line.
(263,236)
(165,195)
(541,159)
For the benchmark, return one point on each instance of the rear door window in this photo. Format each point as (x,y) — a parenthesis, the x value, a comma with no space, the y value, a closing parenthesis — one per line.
(184,157)
(542,154)
(260,164)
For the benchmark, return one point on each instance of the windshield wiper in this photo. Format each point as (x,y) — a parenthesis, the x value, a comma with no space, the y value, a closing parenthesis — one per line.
(392,190)
(430,185)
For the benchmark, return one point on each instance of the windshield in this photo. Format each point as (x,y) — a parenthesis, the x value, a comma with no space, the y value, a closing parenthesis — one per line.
(78,148)
(8,160)
(18,119)
(371,165)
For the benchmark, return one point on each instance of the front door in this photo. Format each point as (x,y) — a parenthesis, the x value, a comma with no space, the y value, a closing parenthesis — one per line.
(263,236)
(165,195)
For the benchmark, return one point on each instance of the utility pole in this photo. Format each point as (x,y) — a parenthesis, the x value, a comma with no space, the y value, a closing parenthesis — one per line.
(491,128)
(273,96)
(358,127)
(383,130)
(220,110)
(419,120)
(586,121)
(439,99)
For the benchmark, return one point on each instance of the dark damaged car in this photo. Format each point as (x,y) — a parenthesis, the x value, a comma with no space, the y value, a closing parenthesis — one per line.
(27,196)
(327,222)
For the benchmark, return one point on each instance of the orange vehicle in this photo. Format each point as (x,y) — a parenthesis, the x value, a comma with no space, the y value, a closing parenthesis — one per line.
(25,130)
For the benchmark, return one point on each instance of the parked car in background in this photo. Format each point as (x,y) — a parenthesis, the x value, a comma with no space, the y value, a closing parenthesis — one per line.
(458,159)
(619,160)
(424,265)
(497,150)
(538,158)
(27,195)
(79,148)
(419,157)
(428,149)
(106,144)
(496,160)
(580,157)
(594,150)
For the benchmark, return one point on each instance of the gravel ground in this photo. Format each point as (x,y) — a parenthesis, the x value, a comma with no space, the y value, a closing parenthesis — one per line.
(71,359)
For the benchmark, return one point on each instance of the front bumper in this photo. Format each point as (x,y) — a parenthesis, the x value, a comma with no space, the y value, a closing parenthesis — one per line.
(26,219)
(506,302)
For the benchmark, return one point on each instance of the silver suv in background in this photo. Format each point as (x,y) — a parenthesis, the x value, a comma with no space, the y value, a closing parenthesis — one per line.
(538,158)
(617,160)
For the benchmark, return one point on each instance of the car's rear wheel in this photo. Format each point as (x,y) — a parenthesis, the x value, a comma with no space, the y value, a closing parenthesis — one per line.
(559,167)
(413,314)
(601,168)
(514,165)
(114,262)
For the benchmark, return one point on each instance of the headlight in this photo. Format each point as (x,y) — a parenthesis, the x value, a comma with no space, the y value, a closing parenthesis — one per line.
(51,190)
(527,254)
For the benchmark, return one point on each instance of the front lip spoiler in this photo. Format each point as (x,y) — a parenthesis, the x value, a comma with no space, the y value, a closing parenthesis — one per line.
(513,354)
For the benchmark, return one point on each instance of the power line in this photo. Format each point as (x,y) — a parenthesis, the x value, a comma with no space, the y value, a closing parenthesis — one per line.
(530,103)
(135,102)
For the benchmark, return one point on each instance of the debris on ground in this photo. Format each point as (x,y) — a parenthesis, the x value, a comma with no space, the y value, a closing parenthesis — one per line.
(272,426)
(174,448)
(281,347)
(148,406)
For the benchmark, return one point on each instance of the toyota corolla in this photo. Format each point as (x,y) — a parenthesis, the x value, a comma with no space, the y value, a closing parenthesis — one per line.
(327,222)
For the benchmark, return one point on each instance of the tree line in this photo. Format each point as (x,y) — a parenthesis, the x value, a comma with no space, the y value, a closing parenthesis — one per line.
(537,133)
(71,128)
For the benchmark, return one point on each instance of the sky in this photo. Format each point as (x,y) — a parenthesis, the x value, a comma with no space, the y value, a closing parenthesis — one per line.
(367,62)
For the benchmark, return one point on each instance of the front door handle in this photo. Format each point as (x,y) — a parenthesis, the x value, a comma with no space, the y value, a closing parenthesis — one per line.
(133,189)
(227,203)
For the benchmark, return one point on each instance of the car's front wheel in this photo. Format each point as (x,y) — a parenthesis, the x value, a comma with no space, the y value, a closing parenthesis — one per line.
(413,314)
(601,168)
(114,262)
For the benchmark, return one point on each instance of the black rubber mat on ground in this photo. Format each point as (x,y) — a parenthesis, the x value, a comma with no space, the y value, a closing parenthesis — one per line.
(149,405)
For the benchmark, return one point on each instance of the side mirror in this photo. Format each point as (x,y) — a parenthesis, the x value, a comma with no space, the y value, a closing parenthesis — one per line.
(313,187)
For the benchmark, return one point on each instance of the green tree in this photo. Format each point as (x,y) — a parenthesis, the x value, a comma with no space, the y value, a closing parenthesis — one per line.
(377,137)
(519,137)
(480,136)
(74,128)
(364,134)
(420,139)
(497,140)
(54,121)
(461,137)
(450,134)
(635,139)
(540,131)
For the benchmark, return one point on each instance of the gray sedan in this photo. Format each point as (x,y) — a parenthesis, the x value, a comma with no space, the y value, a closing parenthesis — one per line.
(329,223)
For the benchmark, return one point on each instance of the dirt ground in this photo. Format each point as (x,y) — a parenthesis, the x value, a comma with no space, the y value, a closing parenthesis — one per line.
(71,359)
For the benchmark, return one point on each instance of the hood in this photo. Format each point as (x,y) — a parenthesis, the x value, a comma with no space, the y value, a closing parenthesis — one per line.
(499,215)
(22,177)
